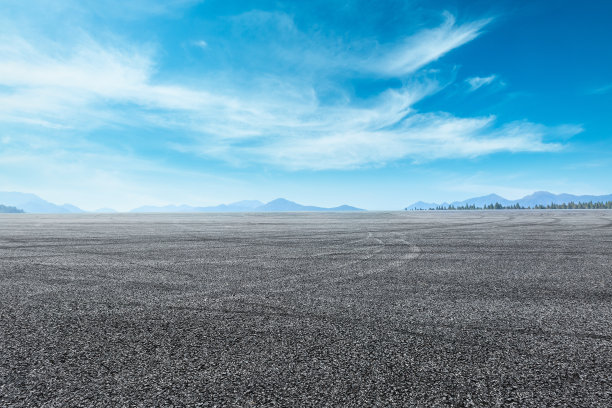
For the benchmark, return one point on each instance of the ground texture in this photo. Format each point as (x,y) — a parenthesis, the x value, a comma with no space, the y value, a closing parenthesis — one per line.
(365,309)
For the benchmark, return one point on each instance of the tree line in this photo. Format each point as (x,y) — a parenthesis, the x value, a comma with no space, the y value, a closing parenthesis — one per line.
(9,209)
(552,206)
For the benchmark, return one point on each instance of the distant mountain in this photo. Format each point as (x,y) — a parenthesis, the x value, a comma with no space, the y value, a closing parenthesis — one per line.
(344,207)
(421,205)
(283,205)
(72,208)
(240,206)
(537,198)
(544,198)
(245,204)
(484,200)
(9,210)
(32,203)
(278,205)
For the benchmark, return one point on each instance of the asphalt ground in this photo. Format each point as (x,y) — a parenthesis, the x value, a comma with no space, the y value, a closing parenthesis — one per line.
(470,308)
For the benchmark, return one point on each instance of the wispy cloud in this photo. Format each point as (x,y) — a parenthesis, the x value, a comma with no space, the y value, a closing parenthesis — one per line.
(602,90)
(426,46)
(82,86)
(478,82)
(273,119)
(201,44)
(420,137)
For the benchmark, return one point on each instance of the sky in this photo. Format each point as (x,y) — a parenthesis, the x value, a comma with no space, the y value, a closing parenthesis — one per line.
(376,104)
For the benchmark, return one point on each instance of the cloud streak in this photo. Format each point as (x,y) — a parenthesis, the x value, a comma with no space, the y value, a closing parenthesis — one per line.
(426,46)
(602,90)
(478,82)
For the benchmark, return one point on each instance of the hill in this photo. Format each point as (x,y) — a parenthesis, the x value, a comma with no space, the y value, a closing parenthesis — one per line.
(32,203)
(283,205)
(239,206)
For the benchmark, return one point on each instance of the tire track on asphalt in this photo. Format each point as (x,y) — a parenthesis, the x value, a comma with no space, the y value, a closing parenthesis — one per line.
(122,262)
(388,261)
(291,279)
(346,244)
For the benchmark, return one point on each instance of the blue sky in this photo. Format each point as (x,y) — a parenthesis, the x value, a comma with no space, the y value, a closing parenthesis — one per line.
(376,104)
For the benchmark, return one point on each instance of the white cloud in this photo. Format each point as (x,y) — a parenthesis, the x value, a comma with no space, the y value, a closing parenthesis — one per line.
(602,90)
(426,46)
(278,121)
(316,53)
(478,82)
(201,44)
(60,88)
(420,137)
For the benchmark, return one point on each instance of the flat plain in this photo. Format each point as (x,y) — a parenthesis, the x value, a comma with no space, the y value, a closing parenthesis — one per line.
(443,308)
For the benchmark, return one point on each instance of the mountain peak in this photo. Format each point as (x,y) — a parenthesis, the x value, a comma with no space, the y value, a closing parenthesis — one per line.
(281,200)
(540,194)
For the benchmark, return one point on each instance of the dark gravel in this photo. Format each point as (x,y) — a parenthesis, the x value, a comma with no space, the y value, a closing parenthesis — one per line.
(506,308)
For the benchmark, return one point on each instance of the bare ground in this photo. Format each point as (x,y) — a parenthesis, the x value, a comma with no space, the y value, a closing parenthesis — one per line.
(362,309)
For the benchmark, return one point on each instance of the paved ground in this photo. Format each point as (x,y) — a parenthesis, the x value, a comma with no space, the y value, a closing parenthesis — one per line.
(363,309)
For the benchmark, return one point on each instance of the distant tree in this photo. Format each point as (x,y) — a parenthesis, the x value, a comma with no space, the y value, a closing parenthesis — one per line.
(552,206)
(9,209)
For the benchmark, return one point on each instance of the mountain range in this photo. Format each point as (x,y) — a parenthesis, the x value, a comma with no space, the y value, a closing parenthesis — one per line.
(31,203)
(537,198)
(278,205)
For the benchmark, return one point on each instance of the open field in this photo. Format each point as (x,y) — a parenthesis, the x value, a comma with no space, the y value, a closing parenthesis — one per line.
(356,309)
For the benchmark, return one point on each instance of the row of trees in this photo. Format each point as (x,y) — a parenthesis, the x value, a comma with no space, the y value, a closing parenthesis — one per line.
(565,206)
(496,206)
(577,206)
(8,209)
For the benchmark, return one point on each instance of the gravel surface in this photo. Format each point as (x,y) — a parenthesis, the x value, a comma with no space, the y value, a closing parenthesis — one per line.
(364,309)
